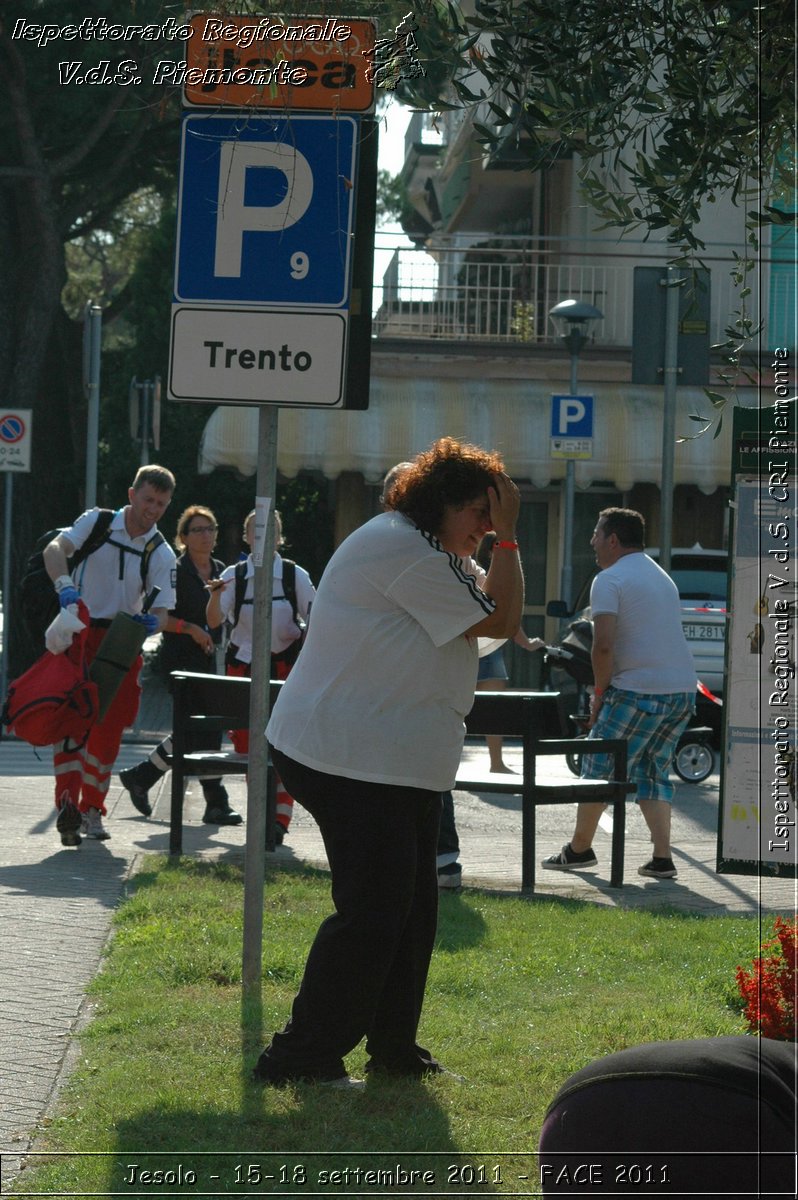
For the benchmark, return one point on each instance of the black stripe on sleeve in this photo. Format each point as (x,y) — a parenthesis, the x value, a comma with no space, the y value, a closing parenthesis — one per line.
(463,577)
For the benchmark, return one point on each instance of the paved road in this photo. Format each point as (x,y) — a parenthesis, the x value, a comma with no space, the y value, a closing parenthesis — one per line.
(57,904)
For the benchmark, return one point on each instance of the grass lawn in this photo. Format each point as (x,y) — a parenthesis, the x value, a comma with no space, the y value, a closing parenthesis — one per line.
(522,992)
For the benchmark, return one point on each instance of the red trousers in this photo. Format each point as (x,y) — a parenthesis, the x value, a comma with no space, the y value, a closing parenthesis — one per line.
(85,773)
(240,740)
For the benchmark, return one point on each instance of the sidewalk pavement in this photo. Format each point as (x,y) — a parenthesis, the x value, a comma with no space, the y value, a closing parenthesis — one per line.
(57,903)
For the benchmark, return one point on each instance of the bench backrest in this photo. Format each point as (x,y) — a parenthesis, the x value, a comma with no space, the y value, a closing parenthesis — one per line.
(515,714)
(222,697)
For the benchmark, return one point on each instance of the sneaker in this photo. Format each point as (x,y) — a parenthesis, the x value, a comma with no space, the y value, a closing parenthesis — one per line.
(658,868)
(92,825)
(450,876)
(221,816)
(138,794)
(569,860)
(68,822)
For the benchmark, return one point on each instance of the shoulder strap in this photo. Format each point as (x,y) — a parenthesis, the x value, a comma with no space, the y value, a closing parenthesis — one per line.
(98,535)
(155,541)
(241,587)
(289,587)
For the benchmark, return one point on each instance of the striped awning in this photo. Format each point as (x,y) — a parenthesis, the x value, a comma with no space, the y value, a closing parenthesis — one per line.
(406,414)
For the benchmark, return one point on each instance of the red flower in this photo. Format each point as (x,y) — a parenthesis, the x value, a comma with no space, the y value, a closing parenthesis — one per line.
(769,989)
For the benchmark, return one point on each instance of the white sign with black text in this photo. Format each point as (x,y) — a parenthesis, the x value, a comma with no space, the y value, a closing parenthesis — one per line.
(250,356)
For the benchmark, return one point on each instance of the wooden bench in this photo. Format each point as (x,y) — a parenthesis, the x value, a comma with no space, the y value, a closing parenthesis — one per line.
(534,717)
(209,704)
(216,703)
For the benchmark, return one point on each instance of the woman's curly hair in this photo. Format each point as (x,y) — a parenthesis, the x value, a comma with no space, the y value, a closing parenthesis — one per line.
(449,473)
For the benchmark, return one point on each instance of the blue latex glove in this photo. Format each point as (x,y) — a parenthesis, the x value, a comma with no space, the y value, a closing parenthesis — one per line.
(67,596)
(149,621)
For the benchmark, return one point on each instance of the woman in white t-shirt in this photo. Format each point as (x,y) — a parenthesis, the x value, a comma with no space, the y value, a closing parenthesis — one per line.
(367,733)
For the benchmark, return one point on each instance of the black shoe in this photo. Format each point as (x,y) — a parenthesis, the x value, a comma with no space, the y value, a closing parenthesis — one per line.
(268,1072)
(68,823)
(416,1070)
(569,860)
(221,816)
(658,868)
(138,794)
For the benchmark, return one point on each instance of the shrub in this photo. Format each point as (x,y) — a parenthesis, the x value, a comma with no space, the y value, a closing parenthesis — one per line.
(769,988)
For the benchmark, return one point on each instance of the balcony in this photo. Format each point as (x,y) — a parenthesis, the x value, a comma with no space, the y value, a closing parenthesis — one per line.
(502,292)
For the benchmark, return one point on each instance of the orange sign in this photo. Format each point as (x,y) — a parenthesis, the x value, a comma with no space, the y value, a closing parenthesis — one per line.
(273,62)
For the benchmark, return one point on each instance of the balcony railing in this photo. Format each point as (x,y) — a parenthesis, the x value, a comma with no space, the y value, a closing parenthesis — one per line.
(503,292)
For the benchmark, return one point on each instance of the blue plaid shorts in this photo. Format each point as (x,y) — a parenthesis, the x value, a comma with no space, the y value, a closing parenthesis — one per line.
(652,723)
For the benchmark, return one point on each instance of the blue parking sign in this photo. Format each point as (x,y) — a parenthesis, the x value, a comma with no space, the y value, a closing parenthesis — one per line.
(265,210)
(572,416)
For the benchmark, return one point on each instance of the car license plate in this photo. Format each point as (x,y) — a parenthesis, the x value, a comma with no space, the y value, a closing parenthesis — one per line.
(702,633)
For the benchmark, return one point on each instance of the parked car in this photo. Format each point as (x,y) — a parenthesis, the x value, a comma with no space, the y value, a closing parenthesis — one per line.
(701,577)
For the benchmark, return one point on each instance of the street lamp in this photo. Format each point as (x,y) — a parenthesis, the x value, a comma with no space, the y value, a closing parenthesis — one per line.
(572,318)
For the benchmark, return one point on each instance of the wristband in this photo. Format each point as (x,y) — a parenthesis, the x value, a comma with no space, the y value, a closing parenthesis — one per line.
(598,692)
(181,626)
(63,581)
(505,546)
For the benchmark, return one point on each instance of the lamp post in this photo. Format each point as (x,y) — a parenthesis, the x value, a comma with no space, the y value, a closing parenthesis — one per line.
(571,317)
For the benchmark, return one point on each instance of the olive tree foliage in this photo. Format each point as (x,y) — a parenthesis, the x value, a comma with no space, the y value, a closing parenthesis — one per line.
(668,104)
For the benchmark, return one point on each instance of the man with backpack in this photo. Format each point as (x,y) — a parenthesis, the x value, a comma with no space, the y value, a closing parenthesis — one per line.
(131,559)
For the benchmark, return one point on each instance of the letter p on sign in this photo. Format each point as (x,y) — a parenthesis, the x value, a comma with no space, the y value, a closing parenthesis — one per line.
(572,416)
(235,217)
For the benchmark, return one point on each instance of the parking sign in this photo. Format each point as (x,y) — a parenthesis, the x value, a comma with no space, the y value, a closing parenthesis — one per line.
(266,210)
(571,427)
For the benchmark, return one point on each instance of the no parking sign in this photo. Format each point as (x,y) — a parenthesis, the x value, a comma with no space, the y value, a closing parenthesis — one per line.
(15,440)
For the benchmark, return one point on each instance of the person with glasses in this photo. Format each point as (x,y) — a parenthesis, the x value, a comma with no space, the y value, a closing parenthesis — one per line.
(188,645)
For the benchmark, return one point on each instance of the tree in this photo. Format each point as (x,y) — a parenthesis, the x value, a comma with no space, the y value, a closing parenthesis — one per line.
(667,102)
(71,156)
(88,158)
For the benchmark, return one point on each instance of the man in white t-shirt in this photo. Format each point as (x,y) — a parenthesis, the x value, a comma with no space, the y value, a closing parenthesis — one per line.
(645,684)
(131,561)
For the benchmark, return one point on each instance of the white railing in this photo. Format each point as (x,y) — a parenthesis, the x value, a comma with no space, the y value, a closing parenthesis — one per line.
(503,292)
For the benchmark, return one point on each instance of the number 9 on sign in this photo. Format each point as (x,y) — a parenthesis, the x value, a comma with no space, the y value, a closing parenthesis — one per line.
(300,265)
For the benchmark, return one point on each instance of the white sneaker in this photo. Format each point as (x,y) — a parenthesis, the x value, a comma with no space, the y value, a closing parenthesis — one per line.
(92,825)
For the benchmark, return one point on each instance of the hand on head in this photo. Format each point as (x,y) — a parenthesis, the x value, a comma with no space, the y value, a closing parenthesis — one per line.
(505,504)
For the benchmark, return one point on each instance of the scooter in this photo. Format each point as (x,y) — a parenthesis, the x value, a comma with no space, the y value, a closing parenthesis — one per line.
(694,759)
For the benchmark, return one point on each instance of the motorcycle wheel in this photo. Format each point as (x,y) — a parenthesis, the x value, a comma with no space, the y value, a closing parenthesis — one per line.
(694,761)
(574,762)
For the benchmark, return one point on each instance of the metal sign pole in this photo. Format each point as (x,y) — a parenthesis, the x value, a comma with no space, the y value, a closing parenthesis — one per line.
(7,527)
(569,492)
(92,335)
(673,284)
(263,554)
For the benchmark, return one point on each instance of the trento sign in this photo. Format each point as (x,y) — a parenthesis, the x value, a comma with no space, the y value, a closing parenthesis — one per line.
(264,259)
